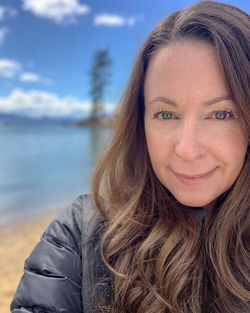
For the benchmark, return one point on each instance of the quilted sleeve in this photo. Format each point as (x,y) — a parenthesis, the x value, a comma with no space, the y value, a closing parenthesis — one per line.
(52,273)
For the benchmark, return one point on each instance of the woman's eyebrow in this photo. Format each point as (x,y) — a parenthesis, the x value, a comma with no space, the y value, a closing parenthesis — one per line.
(206,103)
(216,100)
(163,99)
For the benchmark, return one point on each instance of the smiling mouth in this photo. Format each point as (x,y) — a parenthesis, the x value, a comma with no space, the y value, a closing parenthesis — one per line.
(194,179)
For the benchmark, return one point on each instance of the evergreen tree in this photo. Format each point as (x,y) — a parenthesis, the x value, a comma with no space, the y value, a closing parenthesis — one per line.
(99,79)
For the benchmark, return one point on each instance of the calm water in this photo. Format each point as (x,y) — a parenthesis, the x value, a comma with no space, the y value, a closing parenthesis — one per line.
(45,165)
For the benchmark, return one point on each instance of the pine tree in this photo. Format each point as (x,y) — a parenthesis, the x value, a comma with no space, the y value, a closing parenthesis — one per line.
(99,80)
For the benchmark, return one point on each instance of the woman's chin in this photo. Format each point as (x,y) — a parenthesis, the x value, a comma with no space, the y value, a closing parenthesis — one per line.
(208,205)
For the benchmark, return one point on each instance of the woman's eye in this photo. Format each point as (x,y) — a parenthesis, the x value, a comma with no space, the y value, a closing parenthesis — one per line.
(222,115)
(165,115)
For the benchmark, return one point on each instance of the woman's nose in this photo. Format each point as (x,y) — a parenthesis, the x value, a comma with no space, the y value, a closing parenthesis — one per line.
(189,144)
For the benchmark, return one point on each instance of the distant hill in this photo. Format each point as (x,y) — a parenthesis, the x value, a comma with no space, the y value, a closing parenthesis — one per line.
(105,121)
(20,117)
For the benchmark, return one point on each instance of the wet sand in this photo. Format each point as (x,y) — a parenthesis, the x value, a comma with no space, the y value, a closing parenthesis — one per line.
(16,243)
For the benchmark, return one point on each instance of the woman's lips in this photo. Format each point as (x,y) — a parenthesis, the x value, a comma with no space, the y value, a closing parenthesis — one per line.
(194,179)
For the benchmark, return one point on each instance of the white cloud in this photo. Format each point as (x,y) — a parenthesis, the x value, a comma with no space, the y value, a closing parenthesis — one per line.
(2,12)
(3,32)
(57,10)
(47,81)
(6,11)
(38,104)
(9,68)
(29,77)
(113,20)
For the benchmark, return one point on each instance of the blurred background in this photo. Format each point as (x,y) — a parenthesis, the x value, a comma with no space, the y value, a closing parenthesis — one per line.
(64,65)
(61,62)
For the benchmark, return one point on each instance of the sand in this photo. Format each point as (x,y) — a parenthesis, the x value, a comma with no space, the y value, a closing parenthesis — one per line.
(16,243)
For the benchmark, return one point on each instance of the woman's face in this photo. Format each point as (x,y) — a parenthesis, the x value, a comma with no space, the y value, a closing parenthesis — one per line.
(195,139)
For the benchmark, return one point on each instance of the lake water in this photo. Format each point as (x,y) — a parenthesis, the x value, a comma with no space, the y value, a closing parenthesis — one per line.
(45,165)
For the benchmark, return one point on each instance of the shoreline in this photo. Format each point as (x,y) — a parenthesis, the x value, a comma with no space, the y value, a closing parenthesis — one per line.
(19,217)
(18,239)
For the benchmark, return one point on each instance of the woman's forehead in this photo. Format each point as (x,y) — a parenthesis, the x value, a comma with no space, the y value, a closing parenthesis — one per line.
(185,69)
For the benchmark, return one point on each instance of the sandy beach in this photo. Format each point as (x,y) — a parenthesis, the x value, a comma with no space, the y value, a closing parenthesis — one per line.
(17,241)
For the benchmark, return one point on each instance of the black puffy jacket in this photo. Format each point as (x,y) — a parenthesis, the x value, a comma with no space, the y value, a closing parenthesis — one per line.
(60,273)
(66,265)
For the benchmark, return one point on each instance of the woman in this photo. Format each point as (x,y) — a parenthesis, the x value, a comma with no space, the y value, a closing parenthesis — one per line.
(172,190)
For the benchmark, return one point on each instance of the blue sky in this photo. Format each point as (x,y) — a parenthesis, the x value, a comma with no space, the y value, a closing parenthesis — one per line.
(47,46)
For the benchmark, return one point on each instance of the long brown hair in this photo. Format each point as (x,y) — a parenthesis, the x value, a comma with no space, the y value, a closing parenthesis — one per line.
(162,259)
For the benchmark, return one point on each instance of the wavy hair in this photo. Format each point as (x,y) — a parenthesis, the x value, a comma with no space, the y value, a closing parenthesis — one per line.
(161,258)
